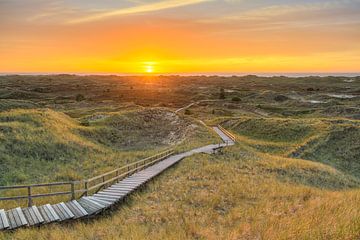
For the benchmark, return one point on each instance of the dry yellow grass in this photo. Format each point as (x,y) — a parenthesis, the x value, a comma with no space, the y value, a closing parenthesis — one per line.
(241,194)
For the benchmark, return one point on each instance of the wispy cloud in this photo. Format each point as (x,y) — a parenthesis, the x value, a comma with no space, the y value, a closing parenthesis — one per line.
(290,9)
(151,7)
(298,15)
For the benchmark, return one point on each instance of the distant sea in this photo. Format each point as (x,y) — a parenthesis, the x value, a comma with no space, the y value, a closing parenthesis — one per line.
(322,74)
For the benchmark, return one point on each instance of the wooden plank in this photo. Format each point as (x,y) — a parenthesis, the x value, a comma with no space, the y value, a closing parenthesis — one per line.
(89,207)
(17,222)
(32,216)
(104,202)
(28,216)
(103,206)
(135,180)
(116,194)
(127,186)
(4,219)
(106,198)
(67,210)
(21,216)
(1,224)
(112,194)
(11,218)
(63,211)
(44,213)
(90,210)
(16,218)
(77,213)
(129,182)
(113,198)
(115,191)
(138,177)
(119,187)
(37,214)
(59,212)
(79,207)
(55,217)
(146,174)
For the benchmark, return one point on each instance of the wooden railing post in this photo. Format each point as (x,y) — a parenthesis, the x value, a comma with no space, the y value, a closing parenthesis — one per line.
(29,197)
(72,191)
(103,180)
(86,188)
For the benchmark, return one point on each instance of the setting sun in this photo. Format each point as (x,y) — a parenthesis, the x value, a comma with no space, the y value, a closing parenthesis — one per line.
(149,69)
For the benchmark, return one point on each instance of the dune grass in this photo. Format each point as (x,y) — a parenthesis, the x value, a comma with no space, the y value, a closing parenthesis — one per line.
(42,145)
(293,175)
(240,194)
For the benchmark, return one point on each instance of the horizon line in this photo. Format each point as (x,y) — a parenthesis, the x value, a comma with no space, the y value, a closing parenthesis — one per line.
(223,74)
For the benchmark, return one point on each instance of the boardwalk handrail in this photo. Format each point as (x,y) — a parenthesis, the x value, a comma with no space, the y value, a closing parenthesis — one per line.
(87,185)
(227,133)
(116,174)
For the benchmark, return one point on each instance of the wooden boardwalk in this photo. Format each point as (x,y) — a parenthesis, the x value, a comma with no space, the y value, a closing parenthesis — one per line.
(93,204)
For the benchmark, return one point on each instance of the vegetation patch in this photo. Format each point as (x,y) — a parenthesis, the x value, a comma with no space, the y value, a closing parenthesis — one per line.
(272,129)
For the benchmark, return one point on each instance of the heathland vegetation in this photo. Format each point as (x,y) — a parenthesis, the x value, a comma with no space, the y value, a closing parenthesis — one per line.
(294,173)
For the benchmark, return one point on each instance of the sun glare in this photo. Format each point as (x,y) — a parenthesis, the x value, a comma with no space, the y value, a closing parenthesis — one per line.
(149,69)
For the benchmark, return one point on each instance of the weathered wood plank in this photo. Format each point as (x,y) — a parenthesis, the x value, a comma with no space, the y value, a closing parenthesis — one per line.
(127,186)
(102,205)
(32,215)
(74,210)
(53,213)
(59,212)
(67,210)
(89,207)
(63,211)
(21,216)
(79,207)
(28,216)
(113,200)
(112,194)
(12,221)
(103,202)
(17,222)
(119,187)
(16,218)
(115,191)
(37,214)
(4,220)
(44,213)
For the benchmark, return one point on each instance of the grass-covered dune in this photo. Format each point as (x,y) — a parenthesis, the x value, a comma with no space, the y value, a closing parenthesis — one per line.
(241,194)
(294,173)
(335,142)
(39,145)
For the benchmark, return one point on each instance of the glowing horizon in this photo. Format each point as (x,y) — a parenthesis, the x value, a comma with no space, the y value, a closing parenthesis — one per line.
(172,36)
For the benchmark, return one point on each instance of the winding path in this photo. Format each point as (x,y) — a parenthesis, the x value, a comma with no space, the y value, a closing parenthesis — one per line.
(102,200)
(198,102)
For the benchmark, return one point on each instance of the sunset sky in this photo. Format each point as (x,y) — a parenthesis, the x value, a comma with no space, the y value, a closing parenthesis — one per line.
(179,36)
